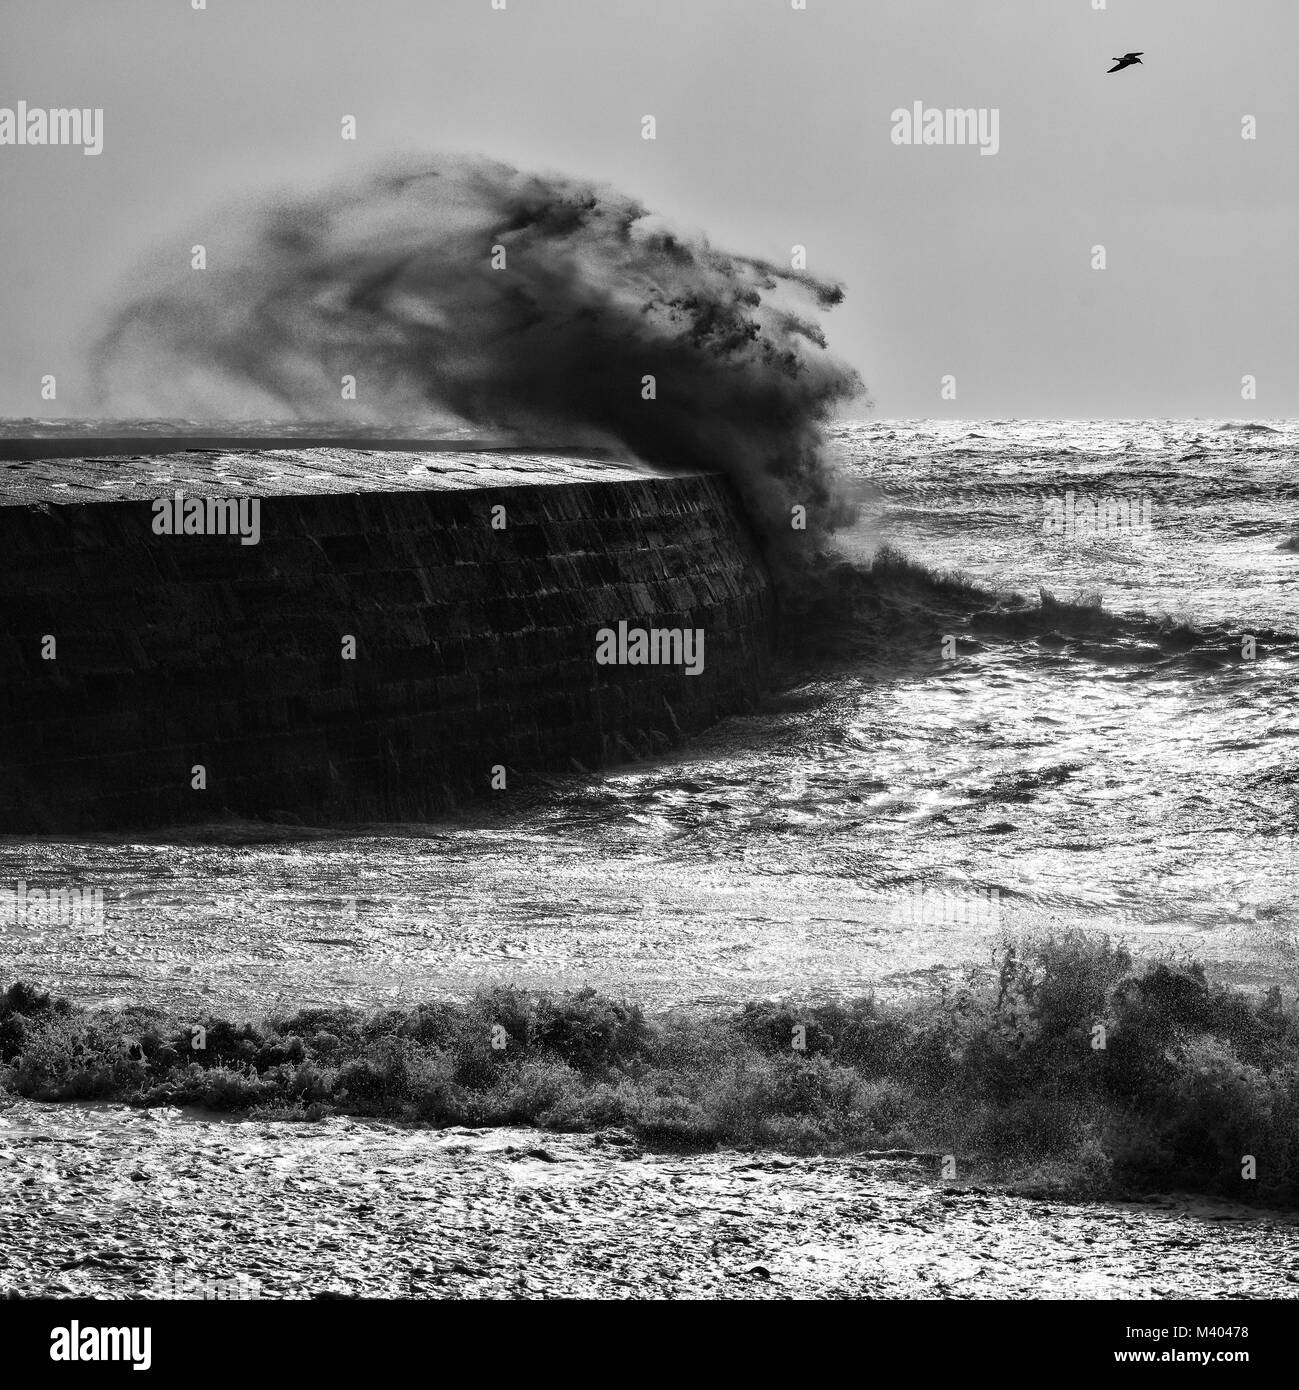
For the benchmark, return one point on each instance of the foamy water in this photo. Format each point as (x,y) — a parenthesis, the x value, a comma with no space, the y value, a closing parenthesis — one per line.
(882,821)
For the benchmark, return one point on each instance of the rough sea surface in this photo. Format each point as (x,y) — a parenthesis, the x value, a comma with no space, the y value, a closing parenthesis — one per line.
(880,821)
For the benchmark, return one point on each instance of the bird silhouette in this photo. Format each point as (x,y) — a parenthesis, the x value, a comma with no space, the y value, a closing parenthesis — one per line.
(1126,61)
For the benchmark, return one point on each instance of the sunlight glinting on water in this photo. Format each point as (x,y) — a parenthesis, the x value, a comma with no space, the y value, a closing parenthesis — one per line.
(883,820)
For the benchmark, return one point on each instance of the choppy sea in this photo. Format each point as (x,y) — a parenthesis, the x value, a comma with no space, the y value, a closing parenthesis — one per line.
(880,821)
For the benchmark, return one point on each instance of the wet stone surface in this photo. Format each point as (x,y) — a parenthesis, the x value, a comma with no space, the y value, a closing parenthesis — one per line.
(291,472)
(112,1202)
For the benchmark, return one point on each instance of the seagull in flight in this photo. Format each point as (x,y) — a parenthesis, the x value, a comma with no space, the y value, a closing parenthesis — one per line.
(1126,61)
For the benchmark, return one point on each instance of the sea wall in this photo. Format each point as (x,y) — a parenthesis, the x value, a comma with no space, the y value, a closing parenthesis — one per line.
(392,641)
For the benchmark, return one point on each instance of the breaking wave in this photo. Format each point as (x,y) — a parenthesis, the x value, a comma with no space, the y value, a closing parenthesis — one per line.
(464,288)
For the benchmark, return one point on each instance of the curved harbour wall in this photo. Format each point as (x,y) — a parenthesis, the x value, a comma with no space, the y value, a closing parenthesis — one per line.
(472,587)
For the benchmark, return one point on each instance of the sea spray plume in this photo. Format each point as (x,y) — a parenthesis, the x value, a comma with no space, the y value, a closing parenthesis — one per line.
(393,280)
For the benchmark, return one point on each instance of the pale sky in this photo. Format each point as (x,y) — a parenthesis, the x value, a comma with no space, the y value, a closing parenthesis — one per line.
(773,129)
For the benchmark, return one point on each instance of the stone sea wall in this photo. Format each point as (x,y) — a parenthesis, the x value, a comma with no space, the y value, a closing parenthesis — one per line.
(151,679)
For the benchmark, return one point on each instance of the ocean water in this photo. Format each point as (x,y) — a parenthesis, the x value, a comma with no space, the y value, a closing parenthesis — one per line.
(882,820)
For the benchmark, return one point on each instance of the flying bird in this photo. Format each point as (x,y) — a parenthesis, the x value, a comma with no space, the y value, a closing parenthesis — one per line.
(1126,61)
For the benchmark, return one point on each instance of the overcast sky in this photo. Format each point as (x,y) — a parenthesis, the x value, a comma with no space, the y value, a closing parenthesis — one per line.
(774,128)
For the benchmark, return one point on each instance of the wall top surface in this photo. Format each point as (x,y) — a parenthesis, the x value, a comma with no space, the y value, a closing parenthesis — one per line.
(292,473)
